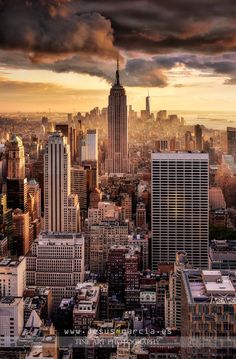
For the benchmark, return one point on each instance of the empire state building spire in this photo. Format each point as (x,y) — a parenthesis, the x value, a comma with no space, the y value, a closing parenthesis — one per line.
(118,158)
(117,72)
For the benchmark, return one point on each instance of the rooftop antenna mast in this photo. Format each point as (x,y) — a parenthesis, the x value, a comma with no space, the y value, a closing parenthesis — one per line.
(117,70)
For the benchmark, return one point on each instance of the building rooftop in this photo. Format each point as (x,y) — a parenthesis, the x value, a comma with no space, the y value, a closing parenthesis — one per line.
(210,286)
(8,262)
(9,301)
(180,156)
(58,239)
(87,298)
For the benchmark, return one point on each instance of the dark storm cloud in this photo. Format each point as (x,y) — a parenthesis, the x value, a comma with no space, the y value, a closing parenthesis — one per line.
(159,26)
(45,28)
(153,36)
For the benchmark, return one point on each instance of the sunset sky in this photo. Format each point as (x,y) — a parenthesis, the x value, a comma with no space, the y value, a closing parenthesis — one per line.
(62,54)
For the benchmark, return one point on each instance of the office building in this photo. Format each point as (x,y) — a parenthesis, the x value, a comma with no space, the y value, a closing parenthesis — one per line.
(57,186)
(91,168)
(162,145)
(68,131)
(117,161)
(12,320)
(72,137)
(12,277)
(6,225)
(3,246)
(34,199)
(180,207)
(90,146)
(79,185)
(126,206)
(105,211)
(21,239)
(15,158)
(141,216)
(116,270)
(207,313)
(198,137)
(73,214)
(17,194)
(173,295)
(148,108)
(101,237)
(189,142)
(231,141)
(142,241)
(94,198)
(56,260)
(216,198)
(132,278)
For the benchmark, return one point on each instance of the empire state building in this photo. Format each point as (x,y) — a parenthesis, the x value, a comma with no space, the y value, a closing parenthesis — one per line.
(117,161)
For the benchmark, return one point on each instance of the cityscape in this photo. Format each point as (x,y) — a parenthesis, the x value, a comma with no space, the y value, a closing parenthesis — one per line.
(117,194)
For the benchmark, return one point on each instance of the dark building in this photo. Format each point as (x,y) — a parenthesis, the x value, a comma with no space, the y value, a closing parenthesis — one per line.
(17,194)
(116,269)
(198,137)
(6,223)
(132,276)
(231,141)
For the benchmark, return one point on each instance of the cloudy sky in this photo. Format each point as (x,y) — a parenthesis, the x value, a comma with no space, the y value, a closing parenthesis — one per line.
(61,54)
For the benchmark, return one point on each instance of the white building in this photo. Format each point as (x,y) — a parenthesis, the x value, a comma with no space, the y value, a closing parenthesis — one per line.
(12,320)
(90,146)
(57,185)
(180,207)
(56,260)
(12,277)
(105,211)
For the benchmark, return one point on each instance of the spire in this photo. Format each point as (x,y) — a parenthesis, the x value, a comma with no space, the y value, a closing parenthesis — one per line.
(117,71)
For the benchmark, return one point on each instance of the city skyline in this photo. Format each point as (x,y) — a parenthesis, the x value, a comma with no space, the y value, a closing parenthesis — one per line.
(117,179)
(186,65)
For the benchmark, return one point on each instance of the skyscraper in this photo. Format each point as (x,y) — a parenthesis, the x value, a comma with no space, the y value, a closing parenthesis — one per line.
(198,137)
(89,158)
(90,146)
(148,109)
(16,181)
(57,186)
(117,161)
(69,130)
(15,158)
(21,233)
(180,207)
(231,141)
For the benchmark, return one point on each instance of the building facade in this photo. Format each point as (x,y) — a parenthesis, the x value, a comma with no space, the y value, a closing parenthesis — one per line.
(180,207)
(57,186)
(56,260)
(117,161)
